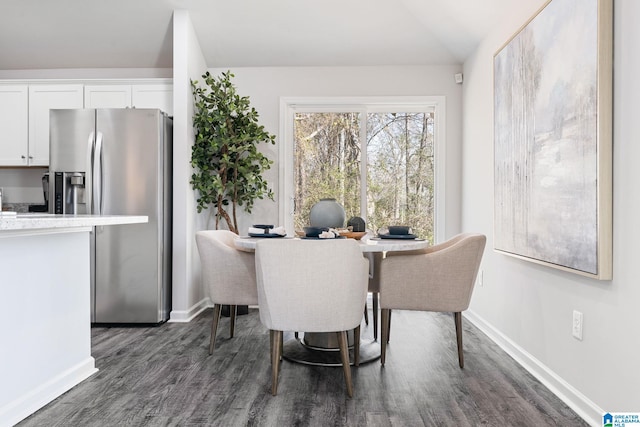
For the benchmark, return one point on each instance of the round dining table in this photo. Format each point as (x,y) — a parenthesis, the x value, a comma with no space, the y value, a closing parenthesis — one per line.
(322,348)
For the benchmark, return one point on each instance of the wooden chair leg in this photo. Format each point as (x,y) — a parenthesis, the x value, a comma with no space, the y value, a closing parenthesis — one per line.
(366,314)
(281,345)
(375,297)
(214,326)
(344,356)
(276,337)
(457,316)
(356,346)
(389,327)
(384,313)
(233,310)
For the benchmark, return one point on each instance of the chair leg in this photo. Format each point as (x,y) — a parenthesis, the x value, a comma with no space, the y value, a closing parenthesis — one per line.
(366,314)
(233,310)
(344,355)
(384,313)
(389,327)
(214,326)
(375,297)
(356,346)
(271,341)
(457,316)
(276,337)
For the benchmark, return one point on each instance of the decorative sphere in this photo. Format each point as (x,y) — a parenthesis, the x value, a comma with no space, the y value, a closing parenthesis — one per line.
(327,213)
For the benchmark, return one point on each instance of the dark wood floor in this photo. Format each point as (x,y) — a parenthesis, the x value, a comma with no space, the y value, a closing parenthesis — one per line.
(163,376)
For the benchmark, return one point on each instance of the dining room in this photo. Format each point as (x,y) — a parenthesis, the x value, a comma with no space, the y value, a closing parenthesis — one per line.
(524,362)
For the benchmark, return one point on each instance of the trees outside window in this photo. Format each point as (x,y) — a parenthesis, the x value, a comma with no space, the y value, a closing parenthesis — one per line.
(391,151)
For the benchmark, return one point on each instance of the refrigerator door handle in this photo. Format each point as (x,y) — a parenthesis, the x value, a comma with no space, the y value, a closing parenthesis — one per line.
(97,176)
(89,169)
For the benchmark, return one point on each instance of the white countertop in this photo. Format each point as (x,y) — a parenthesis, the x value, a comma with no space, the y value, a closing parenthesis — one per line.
(31,221)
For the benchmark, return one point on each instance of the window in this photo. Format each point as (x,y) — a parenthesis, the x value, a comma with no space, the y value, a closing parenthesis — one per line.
(377,157)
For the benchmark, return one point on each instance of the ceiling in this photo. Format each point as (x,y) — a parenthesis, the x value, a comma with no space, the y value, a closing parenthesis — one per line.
(44,34)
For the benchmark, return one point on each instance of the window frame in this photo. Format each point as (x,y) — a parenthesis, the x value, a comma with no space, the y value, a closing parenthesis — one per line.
(363,105)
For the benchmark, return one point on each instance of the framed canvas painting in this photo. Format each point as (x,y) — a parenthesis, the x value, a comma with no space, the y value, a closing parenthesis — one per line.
(553,139)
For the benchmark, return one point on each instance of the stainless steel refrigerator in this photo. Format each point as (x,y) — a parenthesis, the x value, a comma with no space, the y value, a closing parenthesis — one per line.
(118,162)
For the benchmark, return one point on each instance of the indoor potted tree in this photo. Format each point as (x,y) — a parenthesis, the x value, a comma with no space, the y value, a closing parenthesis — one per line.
(227,165)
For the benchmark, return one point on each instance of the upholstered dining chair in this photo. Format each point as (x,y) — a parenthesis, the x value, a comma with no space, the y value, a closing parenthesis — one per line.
(439,278)
(311,286)
(228,274)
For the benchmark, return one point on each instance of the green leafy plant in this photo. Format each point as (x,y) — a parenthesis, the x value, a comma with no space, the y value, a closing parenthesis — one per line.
(227,164)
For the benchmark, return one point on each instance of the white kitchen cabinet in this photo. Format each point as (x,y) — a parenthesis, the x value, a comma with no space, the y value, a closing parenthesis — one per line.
(132,96)
(14,119)
(153,96)
(42,98)
(107,96)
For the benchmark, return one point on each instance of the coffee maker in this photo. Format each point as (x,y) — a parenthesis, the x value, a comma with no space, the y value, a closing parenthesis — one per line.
(45,191)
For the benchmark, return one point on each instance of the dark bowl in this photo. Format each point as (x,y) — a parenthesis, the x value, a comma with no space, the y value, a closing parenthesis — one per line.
(397,230)
(314,231)
(263,226)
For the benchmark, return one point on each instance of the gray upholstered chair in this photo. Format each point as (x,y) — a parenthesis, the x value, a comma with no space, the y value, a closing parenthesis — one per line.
(228,274)
(439,278)
(311,286)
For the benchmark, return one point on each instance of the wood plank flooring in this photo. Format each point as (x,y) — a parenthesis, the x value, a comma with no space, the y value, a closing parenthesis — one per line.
(163,376)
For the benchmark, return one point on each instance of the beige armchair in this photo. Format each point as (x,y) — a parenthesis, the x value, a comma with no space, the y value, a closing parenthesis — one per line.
(311,286)
(439,278)
(228,274)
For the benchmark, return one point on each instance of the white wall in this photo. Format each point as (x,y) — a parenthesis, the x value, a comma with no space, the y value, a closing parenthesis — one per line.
(528,308)
(265,86)
(188,298)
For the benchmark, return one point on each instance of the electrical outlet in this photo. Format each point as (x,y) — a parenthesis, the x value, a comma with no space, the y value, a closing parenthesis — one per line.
(577,324)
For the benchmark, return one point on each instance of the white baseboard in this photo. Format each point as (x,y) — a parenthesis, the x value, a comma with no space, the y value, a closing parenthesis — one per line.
(25,405)
(186,316)
(577,401)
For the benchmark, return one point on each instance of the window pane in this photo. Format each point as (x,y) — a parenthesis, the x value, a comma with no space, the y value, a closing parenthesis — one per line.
(400,171)
(326,162)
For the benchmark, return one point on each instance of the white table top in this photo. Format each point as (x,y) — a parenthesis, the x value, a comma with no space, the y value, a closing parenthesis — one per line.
(367,244)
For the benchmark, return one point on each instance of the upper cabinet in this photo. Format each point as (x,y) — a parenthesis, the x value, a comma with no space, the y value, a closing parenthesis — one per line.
(42,98)
(130,96)
(14,119)
(24,120)
(153,96)
(24,111)
(107,96)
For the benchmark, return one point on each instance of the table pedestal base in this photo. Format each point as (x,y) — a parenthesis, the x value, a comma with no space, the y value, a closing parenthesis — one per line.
(295,350)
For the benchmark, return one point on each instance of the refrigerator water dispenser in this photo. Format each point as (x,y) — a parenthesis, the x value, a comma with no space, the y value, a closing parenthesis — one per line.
(69,193)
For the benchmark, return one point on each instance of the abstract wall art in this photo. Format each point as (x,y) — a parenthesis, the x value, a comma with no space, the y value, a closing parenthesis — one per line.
(553,139)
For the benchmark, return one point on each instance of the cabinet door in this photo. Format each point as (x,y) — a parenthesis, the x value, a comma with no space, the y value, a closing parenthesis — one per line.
(14,125)
(107,96)
(42,98)
(153,96)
